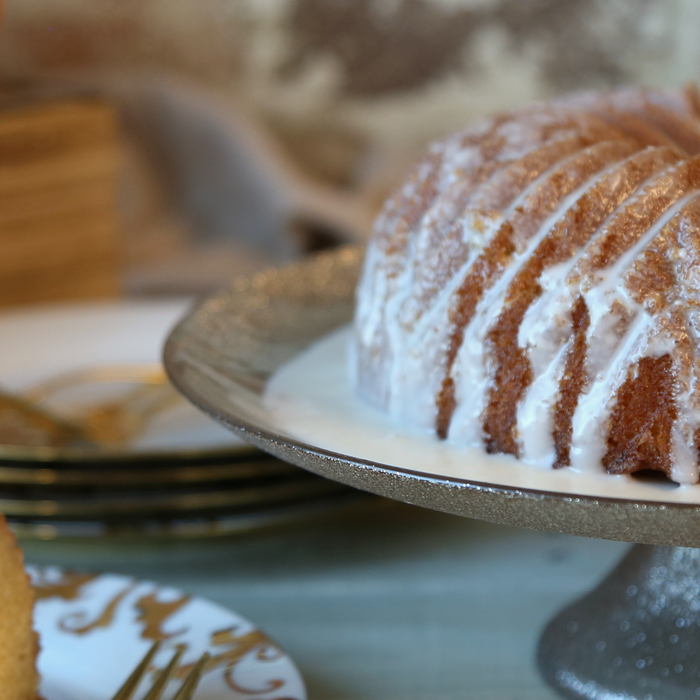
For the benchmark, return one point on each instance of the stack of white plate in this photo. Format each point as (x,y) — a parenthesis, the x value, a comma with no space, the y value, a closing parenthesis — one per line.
(183,476)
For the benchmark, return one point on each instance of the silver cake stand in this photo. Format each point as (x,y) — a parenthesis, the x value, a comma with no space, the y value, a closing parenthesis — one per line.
(635,637)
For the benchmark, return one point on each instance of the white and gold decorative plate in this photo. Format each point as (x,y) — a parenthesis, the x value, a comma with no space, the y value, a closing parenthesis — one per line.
(94,628)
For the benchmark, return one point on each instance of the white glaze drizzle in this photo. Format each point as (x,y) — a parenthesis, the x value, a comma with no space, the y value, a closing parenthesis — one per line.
(471,376)
(418,364)
(410,378)
(588,441)
(546,329)
(375,294)
(312,399)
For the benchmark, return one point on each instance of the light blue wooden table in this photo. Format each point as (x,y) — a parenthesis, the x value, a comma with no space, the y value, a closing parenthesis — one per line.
(397,603)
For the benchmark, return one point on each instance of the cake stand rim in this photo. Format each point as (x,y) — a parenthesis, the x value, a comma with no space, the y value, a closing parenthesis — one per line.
(672,518)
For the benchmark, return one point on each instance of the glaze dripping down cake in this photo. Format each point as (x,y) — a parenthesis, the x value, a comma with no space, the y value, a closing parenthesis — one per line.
(534,287)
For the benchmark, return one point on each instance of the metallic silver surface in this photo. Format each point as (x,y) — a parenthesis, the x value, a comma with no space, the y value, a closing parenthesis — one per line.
(635,637)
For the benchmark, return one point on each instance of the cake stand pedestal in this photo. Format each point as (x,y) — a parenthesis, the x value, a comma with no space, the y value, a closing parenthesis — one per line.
(635,637)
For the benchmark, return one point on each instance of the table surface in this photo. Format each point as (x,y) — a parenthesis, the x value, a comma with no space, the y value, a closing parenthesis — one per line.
(394,602)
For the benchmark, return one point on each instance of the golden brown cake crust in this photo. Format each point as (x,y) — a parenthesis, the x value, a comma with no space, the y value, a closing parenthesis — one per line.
(19,644)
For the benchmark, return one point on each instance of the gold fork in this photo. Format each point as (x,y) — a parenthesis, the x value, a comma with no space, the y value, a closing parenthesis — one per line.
(186,690)
(116,421)
(25,420)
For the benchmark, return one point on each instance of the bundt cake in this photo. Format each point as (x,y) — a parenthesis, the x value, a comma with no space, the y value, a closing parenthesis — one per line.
(534,287)
(18,642)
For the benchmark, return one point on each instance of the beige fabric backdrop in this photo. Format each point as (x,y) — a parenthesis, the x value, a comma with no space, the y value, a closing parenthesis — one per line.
(353,87)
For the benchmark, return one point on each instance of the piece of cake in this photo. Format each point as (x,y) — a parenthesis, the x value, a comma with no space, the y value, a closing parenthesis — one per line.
(534,287)
(18,642)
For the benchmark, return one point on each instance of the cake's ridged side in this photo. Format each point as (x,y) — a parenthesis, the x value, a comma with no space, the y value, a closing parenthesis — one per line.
(499,191)
(663,282)
(441,247)
(574,380)
(641,422)
(683,131)
(636,127)
(512,373)
(532,287)
(474,157)
(632,223)
(655,117)
(618,326)
(515,233)
(469,157)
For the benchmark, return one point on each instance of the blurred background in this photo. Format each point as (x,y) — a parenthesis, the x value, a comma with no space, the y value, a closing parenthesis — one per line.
(252,131)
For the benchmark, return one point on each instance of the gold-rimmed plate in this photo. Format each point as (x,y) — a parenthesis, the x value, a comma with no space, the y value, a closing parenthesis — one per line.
(163,502)
(200,525)
(135,474)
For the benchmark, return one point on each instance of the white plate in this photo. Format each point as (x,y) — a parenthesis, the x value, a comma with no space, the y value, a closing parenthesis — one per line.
(94,629)
(41,342)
